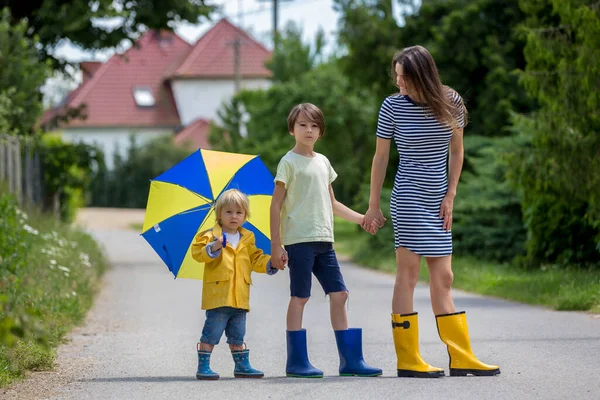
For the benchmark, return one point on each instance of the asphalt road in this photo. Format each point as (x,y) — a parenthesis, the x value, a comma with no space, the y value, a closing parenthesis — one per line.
(139,342)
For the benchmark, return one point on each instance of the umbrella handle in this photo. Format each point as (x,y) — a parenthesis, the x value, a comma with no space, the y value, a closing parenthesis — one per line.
(224,239)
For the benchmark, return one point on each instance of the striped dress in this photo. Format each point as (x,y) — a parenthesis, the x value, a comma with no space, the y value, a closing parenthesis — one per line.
(421,182)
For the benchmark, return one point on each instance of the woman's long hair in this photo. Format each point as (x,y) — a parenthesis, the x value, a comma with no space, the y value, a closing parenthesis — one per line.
(421,75)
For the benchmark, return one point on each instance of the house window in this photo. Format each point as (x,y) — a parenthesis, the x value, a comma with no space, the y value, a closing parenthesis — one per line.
(143,96)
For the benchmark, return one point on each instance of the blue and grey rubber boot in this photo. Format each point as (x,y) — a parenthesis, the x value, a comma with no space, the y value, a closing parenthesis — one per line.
(243,369)
(204,372)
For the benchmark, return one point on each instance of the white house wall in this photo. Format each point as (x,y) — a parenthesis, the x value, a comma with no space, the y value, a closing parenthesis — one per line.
(196,98)
(112,140)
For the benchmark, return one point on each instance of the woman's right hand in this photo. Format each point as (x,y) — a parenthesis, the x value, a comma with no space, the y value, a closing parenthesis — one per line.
(373,220)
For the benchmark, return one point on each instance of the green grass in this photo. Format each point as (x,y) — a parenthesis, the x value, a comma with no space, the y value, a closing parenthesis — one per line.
(49,274)
(560,289)
(136,226)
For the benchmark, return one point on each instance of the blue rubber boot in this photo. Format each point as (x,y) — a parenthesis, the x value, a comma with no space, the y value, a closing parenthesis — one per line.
(243,369)
(352,363)
(204,371)
(297,365)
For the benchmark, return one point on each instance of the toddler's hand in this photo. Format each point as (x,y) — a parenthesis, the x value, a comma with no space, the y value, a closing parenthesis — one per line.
(218,243)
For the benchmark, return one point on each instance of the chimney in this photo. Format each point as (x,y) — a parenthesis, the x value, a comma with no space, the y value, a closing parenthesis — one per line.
(88,69)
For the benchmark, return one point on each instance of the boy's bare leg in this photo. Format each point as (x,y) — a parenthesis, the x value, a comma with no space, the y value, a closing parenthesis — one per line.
(337,309)
(236,347)
(206,347)
(295,313)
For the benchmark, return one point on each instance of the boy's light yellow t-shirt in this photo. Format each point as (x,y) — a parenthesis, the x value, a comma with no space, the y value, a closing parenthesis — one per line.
(307,213)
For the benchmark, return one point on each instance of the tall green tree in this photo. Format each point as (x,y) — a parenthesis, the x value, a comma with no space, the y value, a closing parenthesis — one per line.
(558,172)
(473,42)
(21,77)
(370,35)
(292,57)
(91,24)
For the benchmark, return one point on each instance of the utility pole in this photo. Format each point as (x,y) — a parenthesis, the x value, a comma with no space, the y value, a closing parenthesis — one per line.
(237,61)
(275,19)
(237,53)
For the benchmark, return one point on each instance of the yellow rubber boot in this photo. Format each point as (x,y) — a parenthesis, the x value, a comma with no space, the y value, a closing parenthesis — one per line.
(405,328)
(455,334)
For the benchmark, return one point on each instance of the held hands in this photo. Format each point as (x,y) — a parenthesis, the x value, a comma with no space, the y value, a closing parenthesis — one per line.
(373,220)
(279,257)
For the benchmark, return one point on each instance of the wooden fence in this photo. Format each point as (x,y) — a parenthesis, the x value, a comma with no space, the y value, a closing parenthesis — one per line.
(20,169)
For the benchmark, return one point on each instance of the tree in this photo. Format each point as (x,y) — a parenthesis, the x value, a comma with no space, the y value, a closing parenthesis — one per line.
(292,57)
(370,35)
(21,76)
(91,24)
(558,172)
(472,41)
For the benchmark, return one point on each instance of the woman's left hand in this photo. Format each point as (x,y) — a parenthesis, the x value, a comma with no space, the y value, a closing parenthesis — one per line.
(446,212)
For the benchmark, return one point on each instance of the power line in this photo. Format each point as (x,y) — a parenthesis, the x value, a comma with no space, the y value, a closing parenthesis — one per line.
(275,8)
(268,8)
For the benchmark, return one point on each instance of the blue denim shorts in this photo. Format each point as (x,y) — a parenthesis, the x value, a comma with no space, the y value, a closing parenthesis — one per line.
(305,259)
(228,319)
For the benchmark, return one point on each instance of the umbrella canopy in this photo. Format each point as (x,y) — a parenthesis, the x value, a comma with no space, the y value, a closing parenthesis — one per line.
(182,200)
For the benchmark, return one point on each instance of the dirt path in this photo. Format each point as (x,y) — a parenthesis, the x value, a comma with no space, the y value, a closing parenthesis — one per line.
(109,218)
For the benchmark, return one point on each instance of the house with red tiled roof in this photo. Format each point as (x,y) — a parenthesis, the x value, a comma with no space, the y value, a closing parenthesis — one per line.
(161,86)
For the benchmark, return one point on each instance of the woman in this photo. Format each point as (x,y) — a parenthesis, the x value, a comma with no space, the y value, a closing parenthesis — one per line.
(426,121)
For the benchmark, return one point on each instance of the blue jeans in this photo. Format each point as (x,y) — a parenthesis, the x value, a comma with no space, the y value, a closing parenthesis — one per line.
(305,259)
(228,319)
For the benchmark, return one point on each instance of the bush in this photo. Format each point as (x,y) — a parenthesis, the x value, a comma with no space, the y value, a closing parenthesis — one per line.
(560,207)
(487,212)
(127,185)
(67,169)
(49,273)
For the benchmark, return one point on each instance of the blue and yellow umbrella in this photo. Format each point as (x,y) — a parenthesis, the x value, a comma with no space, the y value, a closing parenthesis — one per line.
(182,200)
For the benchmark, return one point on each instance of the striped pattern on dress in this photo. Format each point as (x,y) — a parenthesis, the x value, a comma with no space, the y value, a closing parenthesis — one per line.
(421,182)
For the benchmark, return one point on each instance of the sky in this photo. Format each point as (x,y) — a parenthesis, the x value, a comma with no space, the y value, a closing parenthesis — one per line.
(256,18)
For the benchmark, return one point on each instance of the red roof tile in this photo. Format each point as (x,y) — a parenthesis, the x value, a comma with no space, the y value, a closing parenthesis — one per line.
(88,69)
(213,55)
(196,134)
(108,94)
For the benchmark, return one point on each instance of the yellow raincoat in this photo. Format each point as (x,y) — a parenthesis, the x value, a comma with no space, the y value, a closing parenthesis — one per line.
(227,278)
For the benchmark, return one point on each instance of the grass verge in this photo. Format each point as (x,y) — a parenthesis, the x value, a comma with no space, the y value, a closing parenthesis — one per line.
(135,226)
(558,288)
(49,274)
